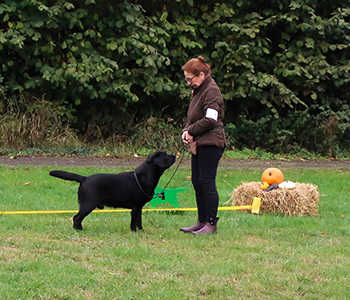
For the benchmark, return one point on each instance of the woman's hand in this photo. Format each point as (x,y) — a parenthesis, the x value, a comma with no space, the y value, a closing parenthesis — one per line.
(186,137)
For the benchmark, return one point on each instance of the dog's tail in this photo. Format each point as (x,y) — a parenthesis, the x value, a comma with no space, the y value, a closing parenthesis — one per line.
(68,176)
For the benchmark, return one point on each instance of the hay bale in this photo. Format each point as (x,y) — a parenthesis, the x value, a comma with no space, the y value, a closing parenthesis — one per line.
(299,201)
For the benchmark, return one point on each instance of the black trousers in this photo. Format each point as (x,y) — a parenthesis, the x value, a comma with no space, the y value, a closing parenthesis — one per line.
(204,167)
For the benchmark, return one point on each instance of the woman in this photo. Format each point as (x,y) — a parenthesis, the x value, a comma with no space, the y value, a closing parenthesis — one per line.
(204,133)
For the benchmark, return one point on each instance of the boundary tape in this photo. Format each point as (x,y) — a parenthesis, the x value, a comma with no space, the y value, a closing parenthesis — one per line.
(27,212)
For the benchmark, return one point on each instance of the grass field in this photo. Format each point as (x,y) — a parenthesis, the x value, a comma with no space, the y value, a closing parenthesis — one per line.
(252,257)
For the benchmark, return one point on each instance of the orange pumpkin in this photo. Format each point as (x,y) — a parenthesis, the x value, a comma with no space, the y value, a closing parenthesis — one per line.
(272,175)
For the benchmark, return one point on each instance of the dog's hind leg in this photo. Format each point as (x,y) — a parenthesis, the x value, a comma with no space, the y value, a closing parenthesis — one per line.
(79,217)
(136,218)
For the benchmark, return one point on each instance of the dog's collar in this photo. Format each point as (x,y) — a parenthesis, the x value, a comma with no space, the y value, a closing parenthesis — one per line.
(140,187)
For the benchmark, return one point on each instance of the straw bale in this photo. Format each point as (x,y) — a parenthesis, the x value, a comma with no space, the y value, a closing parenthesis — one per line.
(299,201)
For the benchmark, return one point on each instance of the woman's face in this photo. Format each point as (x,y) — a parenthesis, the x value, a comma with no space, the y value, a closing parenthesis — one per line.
(194,80)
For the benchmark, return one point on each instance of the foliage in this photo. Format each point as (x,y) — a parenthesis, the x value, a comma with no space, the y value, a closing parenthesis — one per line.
(156,134)
(31,123)
(322,133)
(115,64)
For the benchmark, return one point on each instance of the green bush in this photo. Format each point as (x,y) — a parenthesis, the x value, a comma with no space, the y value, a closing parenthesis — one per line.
(323,133)
(114,64)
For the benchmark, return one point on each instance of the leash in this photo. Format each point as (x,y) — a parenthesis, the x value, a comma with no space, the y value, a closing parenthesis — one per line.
(160,195)
(140,187)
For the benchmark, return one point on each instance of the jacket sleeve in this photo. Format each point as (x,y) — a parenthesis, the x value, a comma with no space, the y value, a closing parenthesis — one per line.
(213,100)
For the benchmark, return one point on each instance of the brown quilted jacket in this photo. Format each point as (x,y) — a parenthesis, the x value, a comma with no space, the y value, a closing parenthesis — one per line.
(206,131)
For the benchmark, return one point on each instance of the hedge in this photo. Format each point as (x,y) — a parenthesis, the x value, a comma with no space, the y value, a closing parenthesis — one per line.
(282,66)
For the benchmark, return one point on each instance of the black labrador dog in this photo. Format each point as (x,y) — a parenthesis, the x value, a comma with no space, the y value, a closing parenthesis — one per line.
(127,190)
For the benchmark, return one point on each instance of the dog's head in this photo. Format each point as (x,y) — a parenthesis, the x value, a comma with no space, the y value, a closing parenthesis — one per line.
(161,159)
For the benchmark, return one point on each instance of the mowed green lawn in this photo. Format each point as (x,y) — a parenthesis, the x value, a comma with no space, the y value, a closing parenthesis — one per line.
(252,257)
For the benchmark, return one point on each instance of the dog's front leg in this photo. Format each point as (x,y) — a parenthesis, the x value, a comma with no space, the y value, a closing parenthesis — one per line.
(136,218)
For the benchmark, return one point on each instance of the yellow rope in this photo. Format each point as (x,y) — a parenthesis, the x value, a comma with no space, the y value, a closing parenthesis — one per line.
(24,212)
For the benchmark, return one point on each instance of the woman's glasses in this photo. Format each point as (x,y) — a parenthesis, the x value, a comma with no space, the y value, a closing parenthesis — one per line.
(189,80)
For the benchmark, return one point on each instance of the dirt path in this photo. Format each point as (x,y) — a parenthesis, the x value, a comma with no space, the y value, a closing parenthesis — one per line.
(134,162)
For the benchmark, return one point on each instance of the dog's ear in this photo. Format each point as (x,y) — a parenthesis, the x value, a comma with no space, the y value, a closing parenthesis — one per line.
(151,156)
(158,158)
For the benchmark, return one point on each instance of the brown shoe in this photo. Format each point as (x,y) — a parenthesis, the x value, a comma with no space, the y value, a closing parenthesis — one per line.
(195,227)
(207,229)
